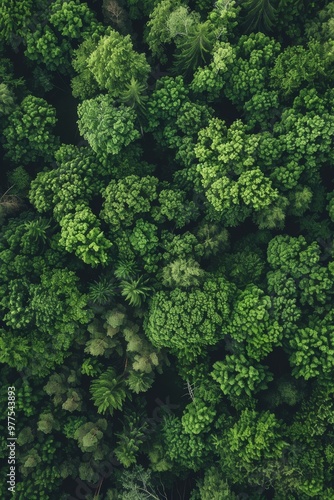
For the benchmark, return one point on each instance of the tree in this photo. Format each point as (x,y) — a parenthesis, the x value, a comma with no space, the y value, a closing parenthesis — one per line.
(188,321)
(314,65)
(180,246)
(114,64)
(252,324)
(135,290)
(134,95)
(194,48)
(312,350)
(7,99)
(182,273)
(42,306)
(73,182)
(81,234)
(250,74)
(128,198)
(210,79)
(198,417)
(158,33)
(304,132)
(214,487)
(51,42)
(84,86)
(90,434)
(261,15)
(107,128)
(256,190)
(28,135)
(144,242)
(131,438)
(301,262)
(108,392)
(102,291)
(239,376)
(187,450)
(175,207)
(138,483)
(253,439)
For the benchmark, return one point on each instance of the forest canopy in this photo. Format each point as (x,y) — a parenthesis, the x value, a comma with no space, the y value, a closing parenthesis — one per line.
(166,249)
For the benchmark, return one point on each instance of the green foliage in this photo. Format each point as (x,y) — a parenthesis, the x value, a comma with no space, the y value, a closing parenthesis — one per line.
(114,64)
(71,184)
(181,246)
(212,239)
(251,323)
(255,437)
(41,304)
(133,95)
(321,27)
(119,276)
(84,85)
(210,79)
(195,47)
(244,267)
(7,100)
(135,290)
(255,189)
(158,32)
(297,67)
(107,128)
(184,449)
(301,262)
(102,291)
(130,439)
(28,135)
(250,75)
(14,19)
(175,207)
(126,269)
(312,349)
(144,241)
(260,15)
(127,198)
(227,174)
(101,343)
(108,392)
(137,483)
(81,234)
(197,417)
(213,487)
(166,100)
(189,320)
(237,376)
(52,43)
(182,273)
(19,180)
(90,434)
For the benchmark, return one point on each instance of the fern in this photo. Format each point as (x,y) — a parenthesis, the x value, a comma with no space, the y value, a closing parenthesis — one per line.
(108,392)
(101,292)
(133,95)
(139,381)
(260,15)
(194,48)
(134,291)
(126,269)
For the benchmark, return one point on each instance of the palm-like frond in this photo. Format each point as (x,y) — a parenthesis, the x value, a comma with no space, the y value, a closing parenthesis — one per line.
(135,290)
(101,291)
(259,15)
(108,392)
(194,48)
